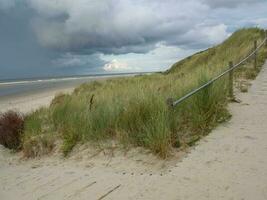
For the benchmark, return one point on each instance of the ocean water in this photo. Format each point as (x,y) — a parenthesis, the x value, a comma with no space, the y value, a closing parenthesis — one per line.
(13,88)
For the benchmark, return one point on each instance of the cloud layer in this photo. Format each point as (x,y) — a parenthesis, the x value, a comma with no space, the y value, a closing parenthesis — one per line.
(79,36)
(116,26)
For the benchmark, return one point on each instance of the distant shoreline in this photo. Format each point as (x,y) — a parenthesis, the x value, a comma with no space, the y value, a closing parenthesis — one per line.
(29,96)
(74,77)
(30,102)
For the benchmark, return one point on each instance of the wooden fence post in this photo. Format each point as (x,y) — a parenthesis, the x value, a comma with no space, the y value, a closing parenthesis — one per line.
(255,55)
(231,81)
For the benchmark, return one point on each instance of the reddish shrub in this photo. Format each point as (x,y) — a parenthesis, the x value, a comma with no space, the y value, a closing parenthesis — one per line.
(11,128)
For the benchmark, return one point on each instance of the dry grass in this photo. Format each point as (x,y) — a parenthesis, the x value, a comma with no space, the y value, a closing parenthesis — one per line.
(134,111)
(11,128)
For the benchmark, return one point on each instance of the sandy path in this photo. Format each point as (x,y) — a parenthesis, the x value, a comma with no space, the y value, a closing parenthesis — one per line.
(230,163)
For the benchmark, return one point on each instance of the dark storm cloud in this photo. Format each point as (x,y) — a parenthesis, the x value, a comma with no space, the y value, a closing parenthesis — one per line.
(67,37)
(19,50)
(21,54)
(114,26)
(127,26)
(230,3)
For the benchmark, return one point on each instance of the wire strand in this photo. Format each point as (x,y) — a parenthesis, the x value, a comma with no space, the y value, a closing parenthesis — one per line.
(219,76)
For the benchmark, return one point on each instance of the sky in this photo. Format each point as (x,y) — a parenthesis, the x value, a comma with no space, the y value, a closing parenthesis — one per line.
(40,38)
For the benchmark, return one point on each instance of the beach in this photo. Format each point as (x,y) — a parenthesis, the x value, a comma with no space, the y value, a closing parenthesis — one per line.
(28,95)
(30,102)
(133,100)
(229,163)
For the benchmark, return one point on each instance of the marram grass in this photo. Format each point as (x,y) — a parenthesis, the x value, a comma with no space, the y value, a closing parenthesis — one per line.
(133,110)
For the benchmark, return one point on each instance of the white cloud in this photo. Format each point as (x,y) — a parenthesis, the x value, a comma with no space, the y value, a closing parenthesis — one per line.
(205,35)
(115,65)
(260,22)
(158,59)
(214,34)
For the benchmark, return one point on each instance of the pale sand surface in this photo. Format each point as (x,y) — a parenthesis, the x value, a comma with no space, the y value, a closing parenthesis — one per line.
(230,163)
(28,101)
(31,102)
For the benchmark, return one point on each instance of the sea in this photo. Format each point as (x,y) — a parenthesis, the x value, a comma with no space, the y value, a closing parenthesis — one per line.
(16,87)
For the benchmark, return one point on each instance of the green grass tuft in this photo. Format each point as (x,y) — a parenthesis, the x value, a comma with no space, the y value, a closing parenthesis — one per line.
(134,111)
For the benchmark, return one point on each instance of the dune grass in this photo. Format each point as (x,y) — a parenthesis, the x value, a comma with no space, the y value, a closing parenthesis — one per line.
(133,110)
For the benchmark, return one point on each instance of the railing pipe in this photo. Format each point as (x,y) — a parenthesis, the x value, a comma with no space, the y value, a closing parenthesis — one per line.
(230,69)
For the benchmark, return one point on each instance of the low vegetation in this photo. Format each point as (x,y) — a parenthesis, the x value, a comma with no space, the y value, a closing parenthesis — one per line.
(38,138)
(11,128)
(133,111)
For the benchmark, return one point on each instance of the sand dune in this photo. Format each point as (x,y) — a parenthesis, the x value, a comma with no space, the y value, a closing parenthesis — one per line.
(230,163)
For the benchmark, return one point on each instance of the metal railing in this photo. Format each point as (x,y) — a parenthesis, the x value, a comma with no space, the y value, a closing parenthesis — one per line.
(172,103)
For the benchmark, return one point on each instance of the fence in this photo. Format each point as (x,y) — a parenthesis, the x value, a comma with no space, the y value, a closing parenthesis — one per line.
(230,70)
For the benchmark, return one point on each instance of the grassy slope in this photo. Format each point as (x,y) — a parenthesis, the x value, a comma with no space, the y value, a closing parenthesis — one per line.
(133,111)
